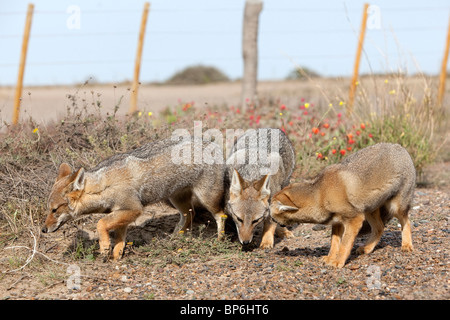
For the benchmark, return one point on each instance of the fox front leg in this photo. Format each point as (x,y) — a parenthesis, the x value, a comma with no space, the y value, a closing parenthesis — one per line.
(103,239)
(220,218)
(118,221)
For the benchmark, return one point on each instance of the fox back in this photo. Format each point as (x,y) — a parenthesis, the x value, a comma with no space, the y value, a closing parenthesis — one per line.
(377,173)
(259,165)
(134,179)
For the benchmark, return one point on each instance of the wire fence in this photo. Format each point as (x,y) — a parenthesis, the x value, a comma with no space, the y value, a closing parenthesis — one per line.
(171,34)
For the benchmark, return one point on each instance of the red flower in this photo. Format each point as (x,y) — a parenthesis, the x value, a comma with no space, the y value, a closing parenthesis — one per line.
(315,130)
(333,151)
(319,156)
(342,152)
(349,148)
(283,107)
(326,125)
(370,135)
(363,126)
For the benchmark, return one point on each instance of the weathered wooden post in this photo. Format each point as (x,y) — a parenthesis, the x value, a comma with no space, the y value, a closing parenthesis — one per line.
(137,65)
(23,58)
(250,50)
(362,33)
(443,76)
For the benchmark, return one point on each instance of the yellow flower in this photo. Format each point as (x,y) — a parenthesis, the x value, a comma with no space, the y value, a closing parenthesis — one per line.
(386,81)
(150,113)
(392,91)
(341,103)
(330,105)
(306,105)
(281,113)
(357,83)
(35,130)
(140,113)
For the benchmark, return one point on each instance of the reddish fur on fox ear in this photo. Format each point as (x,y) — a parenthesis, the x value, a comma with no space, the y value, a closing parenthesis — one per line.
(262,186)
(77,179)
(64,171)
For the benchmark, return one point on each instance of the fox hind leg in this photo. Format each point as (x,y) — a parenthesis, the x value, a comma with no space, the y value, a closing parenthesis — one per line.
(186,210)
(377,227)
(400,211)
(402,217)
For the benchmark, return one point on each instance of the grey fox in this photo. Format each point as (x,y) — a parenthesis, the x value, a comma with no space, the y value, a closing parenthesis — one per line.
(123,184)
(260,164)
(373,184)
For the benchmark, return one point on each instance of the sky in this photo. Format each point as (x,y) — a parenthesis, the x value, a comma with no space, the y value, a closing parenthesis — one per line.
(72,41)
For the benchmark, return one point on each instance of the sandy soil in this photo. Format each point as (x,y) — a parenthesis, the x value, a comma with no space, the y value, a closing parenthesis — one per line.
(49,103)
(292,270)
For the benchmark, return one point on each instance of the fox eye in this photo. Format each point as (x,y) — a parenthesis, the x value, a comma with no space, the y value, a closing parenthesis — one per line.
(54,210)
(257,220)
(239,219)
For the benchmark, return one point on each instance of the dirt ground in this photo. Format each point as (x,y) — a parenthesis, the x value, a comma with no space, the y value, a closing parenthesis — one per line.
(291,270)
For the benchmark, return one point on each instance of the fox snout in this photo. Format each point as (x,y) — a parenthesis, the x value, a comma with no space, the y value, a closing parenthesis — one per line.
(53,223)
(245,236)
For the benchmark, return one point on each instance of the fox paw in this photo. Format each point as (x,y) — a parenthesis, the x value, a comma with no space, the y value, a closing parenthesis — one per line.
(407,247)
(363,250)
(283,232)
(105,253)
(332,262)
(266,244)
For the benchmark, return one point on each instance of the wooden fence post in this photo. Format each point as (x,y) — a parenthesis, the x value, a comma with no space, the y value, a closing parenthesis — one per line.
(137,65)
(443,76)
(23,57)
(250,50)
(362,33)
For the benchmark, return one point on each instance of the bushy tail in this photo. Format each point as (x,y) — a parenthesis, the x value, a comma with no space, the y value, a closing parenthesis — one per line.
(385,215)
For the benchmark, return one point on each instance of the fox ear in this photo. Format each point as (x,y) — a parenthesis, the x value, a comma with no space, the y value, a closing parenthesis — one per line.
(265,189)
(78,182)
(236,183)
(64,171)
(284,208)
